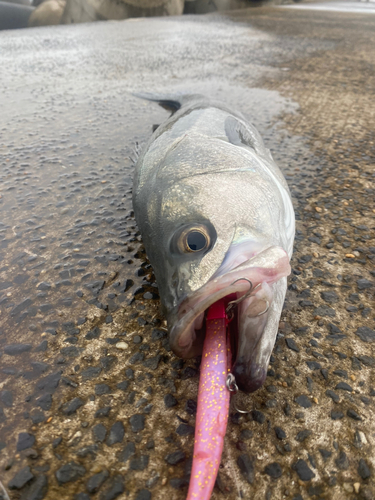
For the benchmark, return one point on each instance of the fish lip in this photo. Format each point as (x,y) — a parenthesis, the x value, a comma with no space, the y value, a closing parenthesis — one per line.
(248,380)
(183,337)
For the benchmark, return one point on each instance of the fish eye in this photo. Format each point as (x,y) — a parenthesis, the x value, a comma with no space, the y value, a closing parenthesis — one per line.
(196,241)
(193,239)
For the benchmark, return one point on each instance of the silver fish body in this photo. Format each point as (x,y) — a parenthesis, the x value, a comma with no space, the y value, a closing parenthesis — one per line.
(216,219)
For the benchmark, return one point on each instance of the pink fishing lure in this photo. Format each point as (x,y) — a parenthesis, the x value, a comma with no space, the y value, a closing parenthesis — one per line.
(213,405)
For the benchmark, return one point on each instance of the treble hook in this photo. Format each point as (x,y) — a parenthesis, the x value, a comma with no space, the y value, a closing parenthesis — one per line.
(234,303)
(233,387)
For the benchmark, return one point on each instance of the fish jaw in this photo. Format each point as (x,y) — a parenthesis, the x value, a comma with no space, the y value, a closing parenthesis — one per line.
(257,335)
(258,314)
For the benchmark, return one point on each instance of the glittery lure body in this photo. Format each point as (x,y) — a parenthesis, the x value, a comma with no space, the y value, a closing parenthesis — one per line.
(213,405)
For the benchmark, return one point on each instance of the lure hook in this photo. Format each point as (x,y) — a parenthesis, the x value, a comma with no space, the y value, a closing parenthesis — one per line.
(266,309)
(234,303)
(233,387)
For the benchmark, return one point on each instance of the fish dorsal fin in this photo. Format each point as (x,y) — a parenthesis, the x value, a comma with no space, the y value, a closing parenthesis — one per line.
(170,102)
(241,135)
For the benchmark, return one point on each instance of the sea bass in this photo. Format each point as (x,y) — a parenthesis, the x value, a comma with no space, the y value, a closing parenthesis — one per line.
(216,219)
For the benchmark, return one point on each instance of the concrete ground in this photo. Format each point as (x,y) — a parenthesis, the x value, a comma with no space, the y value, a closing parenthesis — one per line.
(93,404)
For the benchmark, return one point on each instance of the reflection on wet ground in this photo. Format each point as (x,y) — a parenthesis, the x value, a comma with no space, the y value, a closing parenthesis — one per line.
(92,402)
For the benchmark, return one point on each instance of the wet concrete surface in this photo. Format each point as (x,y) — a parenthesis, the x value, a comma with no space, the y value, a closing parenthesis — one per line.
(93,404)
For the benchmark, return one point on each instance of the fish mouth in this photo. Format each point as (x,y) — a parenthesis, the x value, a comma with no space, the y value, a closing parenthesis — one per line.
(258,288)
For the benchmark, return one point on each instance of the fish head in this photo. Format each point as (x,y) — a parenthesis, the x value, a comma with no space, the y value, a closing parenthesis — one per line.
(212,235)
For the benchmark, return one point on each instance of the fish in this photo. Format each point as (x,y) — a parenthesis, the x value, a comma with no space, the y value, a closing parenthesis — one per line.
(217,220)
